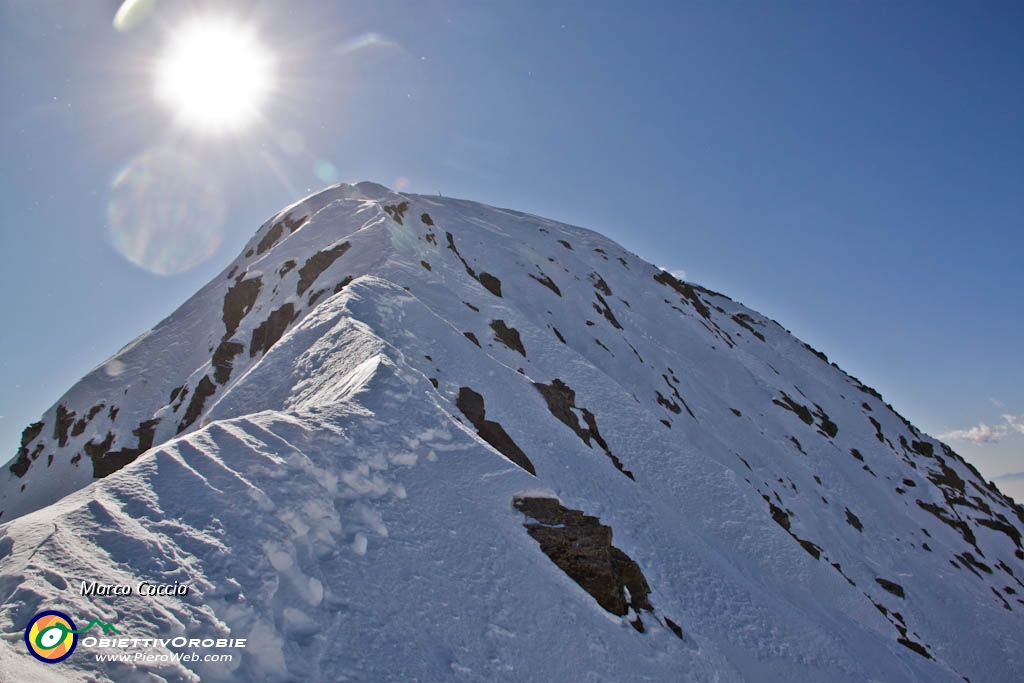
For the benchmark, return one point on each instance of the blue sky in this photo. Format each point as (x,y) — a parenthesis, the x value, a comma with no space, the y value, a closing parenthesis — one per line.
(853,170)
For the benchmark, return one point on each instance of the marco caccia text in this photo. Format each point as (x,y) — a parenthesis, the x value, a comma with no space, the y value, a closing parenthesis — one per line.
(91,588)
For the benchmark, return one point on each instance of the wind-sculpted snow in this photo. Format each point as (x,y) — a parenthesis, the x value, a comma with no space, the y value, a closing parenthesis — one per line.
(327,442)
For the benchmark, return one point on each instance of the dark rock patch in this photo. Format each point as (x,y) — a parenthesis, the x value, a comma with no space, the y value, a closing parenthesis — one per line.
(509,336)
(606,310)
(1003,527)
(29,434)
(425,265)
(270,330)
(972,564)
(780,516)
(547,282)
(343,284)
(491,283)
(923,448)
(472,337)
(957,524)
(451,245)
(891,586)
(427,220)
(286,267)
(397,211)
(668,404)
(112,413)
(315,296)
(816,352)
(743,320)
(96,451)
(665,278)
(855,453)
(65,419)
(600,284)
(853,520)
(878,430)
(565,244)
(223,362)
(175,391)
(559,335)
(238,302)
(318,263)
(111,461)
(23,461)
(813,549)
(676,393)
(277,229)
(205,389)
(801,411)
(561,399)
(582,548)
(916,647)
(472,406)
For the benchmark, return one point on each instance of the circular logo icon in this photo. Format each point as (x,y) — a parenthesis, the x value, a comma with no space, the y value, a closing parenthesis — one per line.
(51,637)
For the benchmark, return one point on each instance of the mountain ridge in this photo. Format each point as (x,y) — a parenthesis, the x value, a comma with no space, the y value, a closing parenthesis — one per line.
(433,328)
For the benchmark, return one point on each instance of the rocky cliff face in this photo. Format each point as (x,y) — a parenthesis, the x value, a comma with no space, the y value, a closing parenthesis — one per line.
(397,436)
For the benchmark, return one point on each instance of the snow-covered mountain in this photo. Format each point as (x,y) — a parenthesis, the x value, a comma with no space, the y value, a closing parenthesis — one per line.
(405,437)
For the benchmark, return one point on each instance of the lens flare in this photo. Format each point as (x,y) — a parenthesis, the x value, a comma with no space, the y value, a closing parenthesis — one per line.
(215,75)
(166,212)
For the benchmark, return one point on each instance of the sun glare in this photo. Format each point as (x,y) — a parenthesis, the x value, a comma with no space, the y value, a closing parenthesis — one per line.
(214,75)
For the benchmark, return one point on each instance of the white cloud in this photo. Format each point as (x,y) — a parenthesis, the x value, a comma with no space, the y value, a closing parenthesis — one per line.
(979,434)
(997,403)
(983,433)
(1015,422)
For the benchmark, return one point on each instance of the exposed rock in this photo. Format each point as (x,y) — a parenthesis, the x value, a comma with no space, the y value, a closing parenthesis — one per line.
(509,336)
(582,548)
(547,282)
(853,520)
(318,263)
(687,291)
(205,389)
(270,330)
(890,586)
(472,406)
(238,302)
(222,362)
(109,462)
(491,283)
(561,399)
(65,419)
(397,211)
(801,411)
(276,230)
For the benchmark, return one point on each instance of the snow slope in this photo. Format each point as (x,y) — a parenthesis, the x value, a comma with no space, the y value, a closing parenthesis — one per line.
(335,443)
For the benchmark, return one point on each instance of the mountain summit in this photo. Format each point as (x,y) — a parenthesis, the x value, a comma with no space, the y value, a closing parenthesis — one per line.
(405,437)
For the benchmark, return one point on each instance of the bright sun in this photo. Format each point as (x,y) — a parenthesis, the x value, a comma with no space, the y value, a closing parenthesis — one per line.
(214,75)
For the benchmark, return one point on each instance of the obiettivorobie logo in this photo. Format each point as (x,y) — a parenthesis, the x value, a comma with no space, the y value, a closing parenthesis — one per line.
(51,636)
